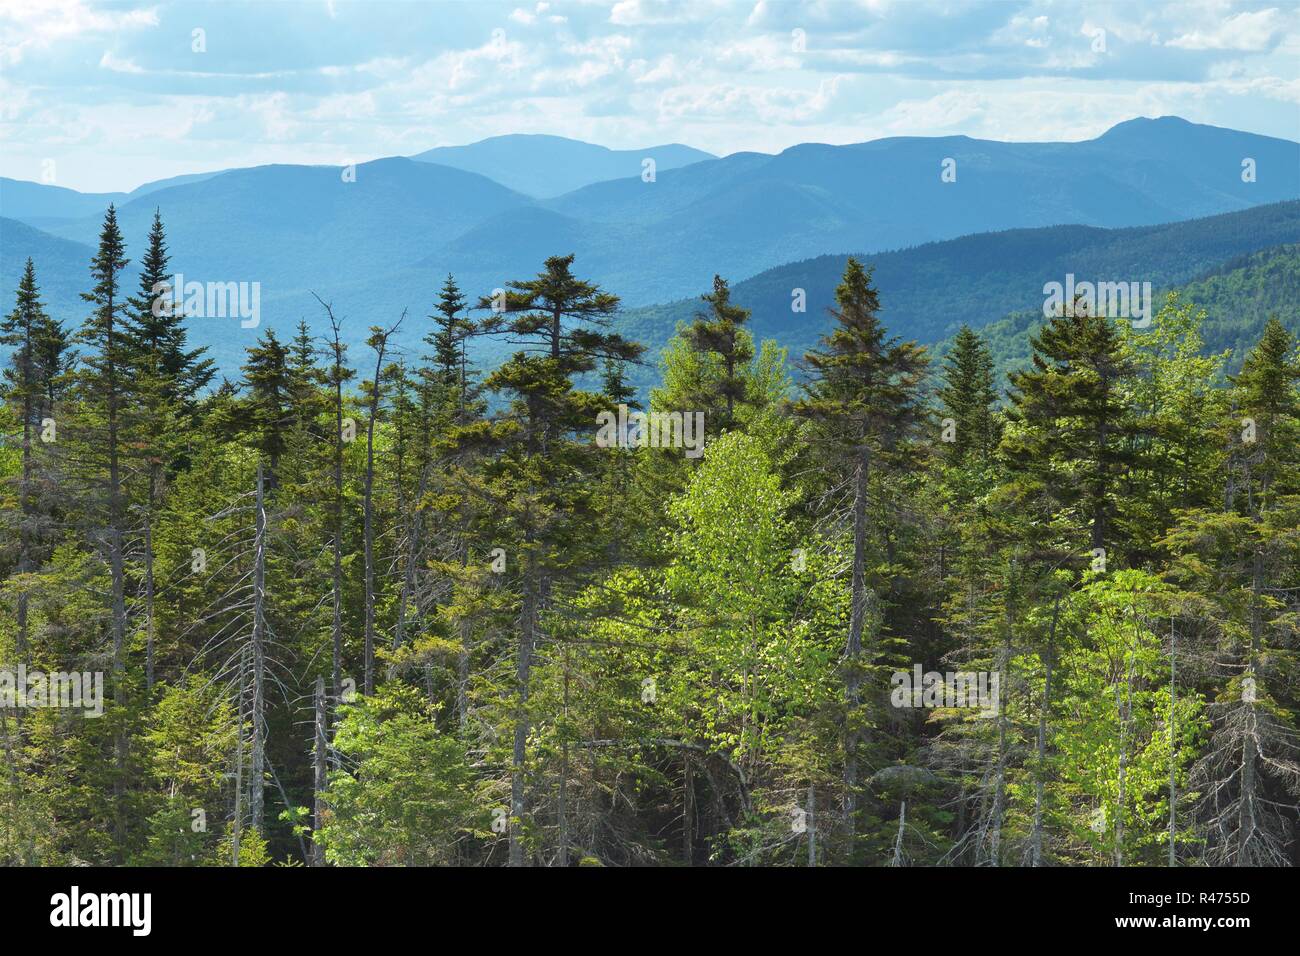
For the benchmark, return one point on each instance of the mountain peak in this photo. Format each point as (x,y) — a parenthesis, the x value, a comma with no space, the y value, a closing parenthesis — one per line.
(542,165)
(1152,126)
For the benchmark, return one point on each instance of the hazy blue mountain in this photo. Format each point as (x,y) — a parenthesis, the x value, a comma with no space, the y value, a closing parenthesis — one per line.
(299,227)
(295,228)
(926,291)
(145,188)
(540,166)
(61,269)
(20,199)
(47,206)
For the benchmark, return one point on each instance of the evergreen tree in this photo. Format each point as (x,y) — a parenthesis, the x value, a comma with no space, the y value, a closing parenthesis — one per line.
(968,397)
(26,385)
(863,402)
(720,338)
(104,392)
(157,325)
(539,476)
(267,411)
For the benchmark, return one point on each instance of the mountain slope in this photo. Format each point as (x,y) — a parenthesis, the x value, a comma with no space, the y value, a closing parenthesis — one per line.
(1237,296)
(930,290)
(385,242)
(297,228)
(540,166)
(20,199)
(62,267)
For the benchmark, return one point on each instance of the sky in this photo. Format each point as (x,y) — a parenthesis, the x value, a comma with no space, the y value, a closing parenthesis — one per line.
(105,96)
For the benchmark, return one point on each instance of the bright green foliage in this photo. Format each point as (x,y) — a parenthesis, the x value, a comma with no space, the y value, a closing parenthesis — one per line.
(406,795)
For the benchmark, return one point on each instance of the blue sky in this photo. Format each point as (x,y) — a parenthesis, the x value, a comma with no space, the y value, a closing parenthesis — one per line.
(114,94)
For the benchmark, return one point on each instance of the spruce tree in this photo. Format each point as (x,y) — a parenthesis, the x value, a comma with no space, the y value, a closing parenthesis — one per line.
(104,389)
(544,445)
(157,325)
(1072,440)
(267,411)
(863,403)
(25,387)
(720,337)
(968,397)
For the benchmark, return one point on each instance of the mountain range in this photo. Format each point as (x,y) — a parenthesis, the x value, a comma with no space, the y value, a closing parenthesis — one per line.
(492,211)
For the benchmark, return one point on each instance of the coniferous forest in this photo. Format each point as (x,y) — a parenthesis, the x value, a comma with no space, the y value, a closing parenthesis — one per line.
(390,606)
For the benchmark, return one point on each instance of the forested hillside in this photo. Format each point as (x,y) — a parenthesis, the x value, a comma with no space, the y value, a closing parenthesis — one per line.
(367,606)
(978,280)
(1237,299)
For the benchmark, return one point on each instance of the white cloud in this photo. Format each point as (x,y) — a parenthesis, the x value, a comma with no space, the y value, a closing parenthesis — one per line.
(1251,30)
(110,62)
(661,12)
(38,24)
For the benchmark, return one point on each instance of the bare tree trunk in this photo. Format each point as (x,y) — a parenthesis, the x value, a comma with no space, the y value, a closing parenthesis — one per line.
(812,825)
(1000,780)
(368,532)
(238,824)
(412,558)
(257,769)
(897,859)
(523,672)
(336,627)
(1248,825)
(379,341)
(1173,779)
(319,782)
(1039,782)
(688,811)
(562,803)
(853,652)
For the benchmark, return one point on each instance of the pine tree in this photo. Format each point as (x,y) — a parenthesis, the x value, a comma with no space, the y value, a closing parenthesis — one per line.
(25,387)
(267,411)
(1241,564)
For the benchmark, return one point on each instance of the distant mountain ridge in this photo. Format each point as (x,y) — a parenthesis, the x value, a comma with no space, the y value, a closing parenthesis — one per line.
(20,199)
(543,166)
